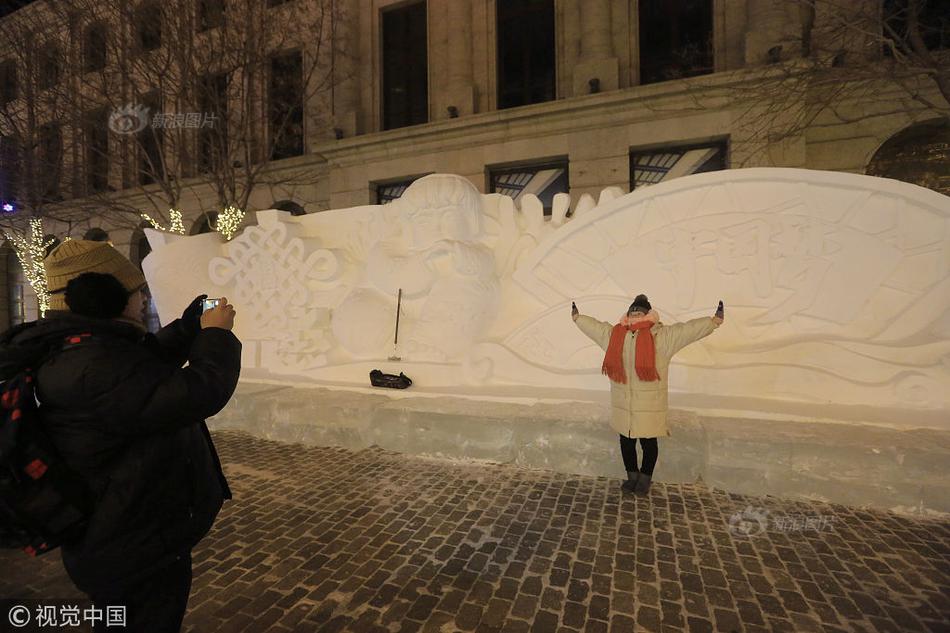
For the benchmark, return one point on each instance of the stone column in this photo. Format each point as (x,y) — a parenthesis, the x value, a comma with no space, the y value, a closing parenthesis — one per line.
(346,75)
(773,31)
(461,95)
(597,58)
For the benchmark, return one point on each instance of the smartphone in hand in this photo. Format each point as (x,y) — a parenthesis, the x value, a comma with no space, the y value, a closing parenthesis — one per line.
(720,311)
(209,304)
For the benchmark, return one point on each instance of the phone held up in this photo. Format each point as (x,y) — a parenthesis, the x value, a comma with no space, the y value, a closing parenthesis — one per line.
(720,311)
(209,304)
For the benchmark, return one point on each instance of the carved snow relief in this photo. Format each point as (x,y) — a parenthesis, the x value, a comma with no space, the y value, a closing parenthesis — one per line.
(837,286)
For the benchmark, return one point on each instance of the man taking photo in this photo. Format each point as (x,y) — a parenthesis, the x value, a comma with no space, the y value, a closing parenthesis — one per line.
(127,417)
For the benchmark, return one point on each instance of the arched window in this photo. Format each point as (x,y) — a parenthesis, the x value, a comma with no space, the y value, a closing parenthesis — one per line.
(917,155)
(204,223)
(96,234)
(289,205)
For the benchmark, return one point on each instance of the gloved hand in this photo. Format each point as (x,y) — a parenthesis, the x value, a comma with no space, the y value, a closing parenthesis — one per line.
(191,317)
(720,314)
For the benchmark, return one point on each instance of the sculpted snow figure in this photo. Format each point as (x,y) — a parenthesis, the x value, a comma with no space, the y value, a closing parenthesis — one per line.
(447,275)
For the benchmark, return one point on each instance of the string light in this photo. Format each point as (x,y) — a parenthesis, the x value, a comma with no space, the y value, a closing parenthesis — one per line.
(229,220)
(177,223)
(178,226)
(30,249)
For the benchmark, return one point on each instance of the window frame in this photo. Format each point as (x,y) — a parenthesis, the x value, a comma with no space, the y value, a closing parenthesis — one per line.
(384,122)
(536,165)
(272,142)
(500,105)
(678,146)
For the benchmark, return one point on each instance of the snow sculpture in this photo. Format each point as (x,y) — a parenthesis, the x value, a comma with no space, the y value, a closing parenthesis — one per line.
(836,285)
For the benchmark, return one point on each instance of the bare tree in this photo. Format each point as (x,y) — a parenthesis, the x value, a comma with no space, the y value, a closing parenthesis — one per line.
(838,62)
(201,95)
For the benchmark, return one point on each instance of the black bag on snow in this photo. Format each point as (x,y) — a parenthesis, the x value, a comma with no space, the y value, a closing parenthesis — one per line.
(42,502)
(379,379)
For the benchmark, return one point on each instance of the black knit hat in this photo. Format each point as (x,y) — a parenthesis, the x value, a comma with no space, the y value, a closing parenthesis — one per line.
(98,295)
(640,304)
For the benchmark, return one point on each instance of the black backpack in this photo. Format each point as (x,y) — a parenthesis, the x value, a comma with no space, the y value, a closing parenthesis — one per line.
(43,503)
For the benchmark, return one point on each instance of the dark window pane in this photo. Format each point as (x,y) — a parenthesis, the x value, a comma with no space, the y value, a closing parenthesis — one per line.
(50,159)
(649,167)
(97,151)
(148,26)
(675,39)
(210,14)
(933,22)
(213,134)
(9,90)
(389,191)
(543,180)
(286,106)
(151,141)
(50,65)
(405,67)
(526,45)
(96,234)
(94,48)
(9,169)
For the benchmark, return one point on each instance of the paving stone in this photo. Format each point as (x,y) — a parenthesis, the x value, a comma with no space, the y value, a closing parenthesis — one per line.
(376,542)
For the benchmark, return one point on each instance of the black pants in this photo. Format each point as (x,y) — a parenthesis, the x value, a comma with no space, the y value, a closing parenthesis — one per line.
(156,604)
(628,448)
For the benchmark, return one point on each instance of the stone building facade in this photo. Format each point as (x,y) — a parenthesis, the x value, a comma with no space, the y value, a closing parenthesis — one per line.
(573,95)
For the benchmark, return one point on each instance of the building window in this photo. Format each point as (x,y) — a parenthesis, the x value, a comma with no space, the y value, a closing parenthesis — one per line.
(650,166)
(213,138)
(210,14)
(50,65)
(405,67)
(50,159)
(286,105)
(205,223)
(94,45)
(391,190)
(151,144)
(9,89)
(933,25)
(97,150)
(148,26)
(675,39)
(9,169)
(526,52)
(541,179)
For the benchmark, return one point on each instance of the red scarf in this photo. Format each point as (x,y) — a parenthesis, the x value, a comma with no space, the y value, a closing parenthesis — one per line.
(645,360)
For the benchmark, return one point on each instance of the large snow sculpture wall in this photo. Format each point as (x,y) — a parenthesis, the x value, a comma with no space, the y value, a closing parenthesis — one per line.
(837,286)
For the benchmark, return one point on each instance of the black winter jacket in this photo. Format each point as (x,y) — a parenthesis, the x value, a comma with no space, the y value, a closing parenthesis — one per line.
(124,414)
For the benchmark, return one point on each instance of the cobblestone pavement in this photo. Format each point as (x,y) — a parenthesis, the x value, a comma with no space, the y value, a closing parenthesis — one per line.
(323,539)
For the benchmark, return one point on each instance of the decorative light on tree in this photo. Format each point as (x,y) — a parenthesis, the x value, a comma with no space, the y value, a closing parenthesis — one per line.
(30,249)
(229,220)
(176,226)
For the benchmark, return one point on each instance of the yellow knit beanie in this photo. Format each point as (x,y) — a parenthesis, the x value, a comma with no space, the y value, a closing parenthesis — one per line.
(75,257)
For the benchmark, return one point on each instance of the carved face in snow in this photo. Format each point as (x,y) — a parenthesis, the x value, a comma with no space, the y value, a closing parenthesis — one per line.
(443,223)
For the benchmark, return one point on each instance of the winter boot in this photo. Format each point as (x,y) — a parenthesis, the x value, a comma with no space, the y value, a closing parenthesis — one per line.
(643,485)
(631,484)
